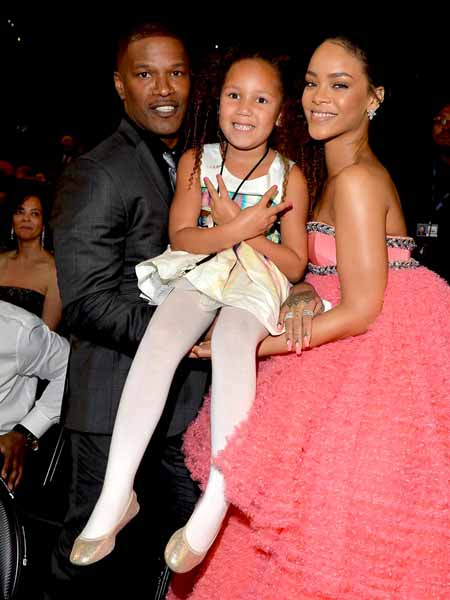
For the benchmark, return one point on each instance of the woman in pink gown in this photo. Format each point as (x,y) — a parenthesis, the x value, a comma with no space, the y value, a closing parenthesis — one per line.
(339,478)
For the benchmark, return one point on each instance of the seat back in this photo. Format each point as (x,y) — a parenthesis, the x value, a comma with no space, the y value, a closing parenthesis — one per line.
(12,544)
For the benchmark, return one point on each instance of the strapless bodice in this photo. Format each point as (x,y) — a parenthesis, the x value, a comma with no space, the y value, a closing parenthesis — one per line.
(30,300)
(322,250)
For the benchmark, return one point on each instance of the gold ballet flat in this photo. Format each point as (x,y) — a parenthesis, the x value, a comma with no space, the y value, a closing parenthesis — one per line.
(86,551)
(179,556)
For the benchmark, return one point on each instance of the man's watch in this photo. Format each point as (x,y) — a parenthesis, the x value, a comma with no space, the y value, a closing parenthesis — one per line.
(31,441)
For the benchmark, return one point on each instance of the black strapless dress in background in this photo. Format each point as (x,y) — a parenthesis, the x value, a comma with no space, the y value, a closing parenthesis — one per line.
(28,299)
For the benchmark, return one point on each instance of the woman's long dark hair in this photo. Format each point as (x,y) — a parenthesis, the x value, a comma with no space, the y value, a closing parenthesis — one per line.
(366,51)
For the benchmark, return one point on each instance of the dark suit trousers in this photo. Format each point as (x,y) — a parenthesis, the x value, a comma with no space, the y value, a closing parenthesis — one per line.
(167,496)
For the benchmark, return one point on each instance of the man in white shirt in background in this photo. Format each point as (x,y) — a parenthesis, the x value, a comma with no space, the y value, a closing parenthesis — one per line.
(28,350)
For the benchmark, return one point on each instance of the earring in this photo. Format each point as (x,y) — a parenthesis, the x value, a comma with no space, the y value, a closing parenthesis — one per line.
(12,233)
(42,237)
(371,113)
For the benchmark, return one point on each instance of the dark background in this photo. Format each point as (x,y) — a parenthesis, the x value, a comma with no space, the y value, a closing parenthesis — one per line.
(58,78)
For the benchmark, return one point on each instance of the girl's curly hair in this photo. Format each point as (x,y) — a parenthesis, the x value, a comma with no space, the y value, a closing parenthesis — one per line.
(290,137)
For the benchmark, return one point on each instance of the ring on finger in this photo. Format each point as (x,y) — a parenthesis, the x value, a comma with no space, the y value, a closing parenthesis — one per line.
(289,315)
(308,313)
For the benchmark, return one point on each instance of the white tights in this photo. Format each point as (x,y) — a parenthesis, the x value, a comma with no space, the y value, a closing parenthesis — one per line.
(175,326)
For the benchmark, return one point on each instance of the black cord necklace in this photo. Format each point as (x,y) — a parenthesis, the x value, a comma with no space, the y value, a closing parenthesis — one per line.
(248,174)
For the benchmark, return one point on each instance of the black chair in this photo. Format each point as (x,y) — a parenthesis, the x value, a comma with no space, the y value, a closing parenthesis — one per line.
(41,496)
(31,517)
(12,544)
(55,457)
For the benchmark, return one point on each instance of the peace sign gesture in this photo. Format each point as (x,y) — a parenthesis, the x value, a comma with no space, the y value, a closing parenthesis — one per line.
(223,209)
(253,220)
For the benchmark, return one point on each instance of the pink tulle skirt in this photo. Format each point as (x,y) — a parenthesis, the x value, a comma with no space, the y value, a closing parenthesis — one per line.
(339,479)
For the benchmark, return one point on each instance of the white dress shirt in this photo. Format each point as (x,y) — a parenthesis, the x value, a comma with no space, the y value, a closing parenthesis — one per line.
(28,349)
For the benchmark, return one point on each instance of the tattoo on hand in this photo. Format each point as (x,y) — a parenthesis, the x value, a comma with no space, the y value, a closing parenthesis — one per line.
(295,299)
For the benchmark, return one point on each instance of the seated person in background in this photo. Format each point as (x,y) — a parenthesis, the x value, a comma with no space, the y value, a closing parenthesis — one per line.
(434,217)
(6,168)
(28,350)
(67,148)
(70,148)
(27,272)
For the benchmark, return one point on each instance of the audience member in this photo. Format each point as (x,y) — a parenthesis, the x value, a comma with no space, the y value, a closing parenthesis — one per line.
(27,271)
(29,350)
(6,168)
(68,148)
(432,228)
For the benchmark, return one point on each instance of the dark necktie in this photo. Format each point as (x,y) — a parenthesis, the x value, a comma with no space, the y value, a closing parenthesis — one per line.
(168,157)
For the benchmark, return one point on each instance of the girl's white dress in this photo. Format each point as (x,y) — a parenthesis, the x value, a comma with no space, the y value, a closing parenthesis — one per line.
(239,276)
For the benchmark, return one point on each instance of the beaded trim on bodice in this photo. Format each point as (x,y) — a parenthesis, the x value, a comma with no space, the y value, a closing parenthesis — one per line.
(402,243)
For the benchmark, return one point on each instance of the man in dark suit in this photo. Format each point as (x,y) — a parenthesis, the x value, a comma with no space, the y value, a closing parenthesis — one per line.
(111,212)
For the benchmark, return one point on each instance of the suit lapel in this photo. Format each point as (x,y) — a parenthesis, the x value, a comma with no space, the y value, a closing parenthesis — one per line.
(147,163)
(152,172)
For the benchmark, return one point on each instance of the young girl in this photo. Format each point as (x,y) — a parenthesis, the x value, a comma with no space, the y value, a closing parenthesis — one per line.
(250,244)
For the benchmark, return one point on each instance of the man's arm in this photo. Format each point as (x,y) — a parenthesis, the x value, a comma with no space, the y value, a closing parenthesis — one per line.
(43,353)
(39,353)
(90,224)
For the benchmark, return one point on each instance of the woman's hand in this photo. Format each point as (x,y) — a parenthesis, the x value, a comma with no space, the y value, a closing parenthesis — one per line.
(297,314)
(223,209)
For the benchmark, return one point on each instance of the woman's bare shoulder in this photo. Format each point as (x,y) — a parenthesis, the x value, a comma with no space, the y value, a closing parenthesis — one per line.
(367,180)
(6,256)
(47,263)
(364,173)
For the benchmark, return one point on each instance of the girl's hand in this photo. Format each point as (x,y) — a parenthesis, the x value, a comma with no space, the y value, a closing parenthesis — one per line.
(256,220)
(223,209)
(297,314)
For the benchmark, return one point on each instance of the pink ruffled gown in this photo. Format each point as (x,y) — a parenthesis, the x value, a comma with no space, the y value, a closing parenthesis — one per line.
(340,478)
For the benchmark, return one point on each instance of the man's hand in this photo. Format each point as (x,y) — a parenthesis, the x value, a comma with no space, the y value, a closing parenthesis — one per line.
(201,350)
(13,449)
(297,314)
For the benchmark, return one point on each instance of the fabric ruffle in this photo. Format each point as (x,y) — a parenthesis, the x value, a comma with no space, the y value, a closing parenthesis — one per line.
(339,478)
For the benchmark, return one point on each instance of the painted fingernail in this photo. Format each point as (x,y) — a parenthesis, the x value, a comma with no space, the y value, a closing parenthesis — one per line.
(289,345)
(298,348)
